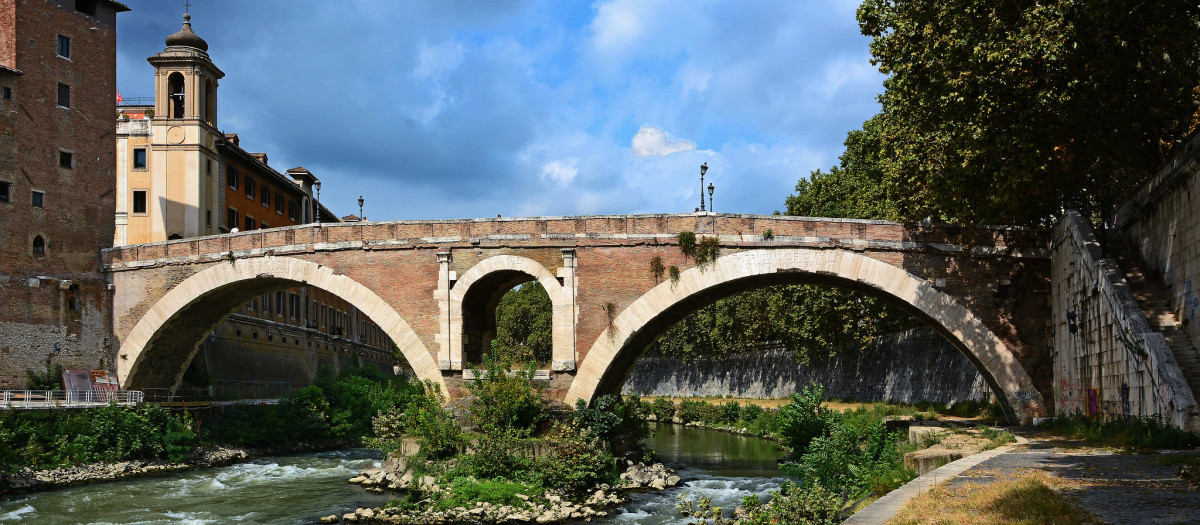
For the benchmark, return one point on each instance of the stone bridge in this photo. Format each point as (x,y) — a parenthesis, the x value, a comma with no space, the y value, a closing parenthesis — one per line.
(433,287)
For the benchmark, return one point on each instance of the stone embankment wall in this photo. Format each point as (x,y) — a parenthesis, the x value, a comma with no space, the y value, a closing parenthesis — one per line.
(917,365)
(1161,222)
(1108,362)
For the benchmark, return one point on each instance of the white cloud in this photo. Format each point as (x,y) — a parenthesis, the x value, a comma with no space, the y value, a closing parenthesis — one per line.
(562,172)
(436,60)
(651,141)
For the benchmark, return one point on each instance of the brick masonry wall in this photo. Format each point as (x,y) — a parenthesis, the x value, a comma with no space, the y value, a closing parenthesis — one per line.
(36,327)
(1112,365)
(1003,282)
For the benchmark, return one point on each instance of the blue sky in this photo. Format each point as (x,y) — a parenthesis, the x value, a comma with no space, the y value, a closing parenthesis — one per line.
(474,108)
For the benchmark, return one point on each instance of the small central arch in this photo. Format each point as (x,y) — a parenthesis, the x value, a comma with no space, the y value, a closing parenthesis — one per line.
(469,315)
(157,350)
(611,357)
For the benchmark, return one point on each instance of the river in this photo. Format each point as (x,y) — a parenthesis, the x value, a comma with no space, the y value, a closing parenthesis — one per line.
(299,489)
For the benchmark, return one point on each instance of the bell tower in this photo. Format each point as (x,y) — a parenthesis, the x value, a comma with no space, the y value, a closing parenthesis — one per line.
(185,180)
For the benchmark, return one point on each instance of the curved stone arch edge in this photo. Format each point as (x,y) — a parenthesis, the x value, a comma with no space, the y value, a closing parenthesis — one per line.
(1014,388)
(193,289)
(563,308)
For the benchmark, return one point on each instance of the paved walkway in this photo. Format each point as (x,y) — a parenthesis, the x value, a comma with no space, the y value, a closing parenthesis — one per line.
(1116,488)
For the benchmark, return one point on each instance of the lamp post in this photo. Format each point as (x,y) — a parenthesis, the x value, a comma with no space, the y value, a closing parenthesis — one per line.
(710,206)
(360,215)
(317,186)
(703,170)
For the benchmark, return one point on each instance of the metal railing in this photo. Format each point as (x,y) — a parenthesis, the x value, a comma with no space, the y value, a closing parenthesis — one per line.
(10,399)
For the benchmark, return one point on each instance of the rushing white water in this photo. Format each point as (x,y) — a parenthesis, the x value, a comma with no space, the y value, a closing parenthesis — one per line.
(300,489)
(278,490)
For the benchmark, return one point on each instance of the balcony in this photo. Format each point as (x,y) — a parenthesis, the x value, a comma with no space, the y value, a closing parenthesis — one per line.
(134,127)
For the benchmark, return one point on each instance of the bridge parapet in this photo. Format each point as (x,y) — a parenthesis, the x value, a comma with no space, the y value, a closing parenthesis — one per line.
(732,229)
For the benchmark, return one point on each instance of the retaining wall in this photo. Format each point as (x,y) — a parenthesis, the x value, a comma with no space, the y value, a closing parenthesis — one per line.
(1108,362)
(917,365)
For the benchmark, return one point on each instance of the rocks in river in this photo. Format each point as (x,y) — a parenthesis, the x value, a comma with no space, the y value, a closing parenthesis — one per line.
(656,476)
(30,480)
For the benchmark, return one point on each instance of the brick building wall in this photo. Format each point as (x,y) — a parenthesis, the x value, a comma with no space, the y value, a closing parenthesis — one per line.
(54,301)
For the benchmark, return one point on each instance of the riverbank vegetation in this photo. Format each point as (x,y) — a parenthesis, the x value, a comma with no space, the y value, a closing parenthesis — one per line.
(837,457)
(334,411)
(517,451)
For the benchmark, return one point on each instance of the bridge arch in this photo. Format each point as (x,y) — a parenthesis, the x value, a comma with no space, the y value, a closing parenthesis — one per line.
(611,357)
(151,356)
(474,296)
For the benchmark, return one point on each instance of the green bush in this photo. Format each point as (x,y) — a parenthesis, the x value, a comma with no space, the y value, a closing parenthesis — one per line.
(465,492)
(576,460)
(804,419)
(506,402)
(426,420)
(663,409)
(110,433)
(614,419)
(691,410)
(498,454)
(731,412)
(809,506)
(751,412)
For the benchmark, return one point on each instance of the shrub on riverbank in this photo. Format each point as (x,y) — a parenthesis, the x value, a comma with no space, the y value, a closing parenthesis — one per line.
(49,439)
(331,409)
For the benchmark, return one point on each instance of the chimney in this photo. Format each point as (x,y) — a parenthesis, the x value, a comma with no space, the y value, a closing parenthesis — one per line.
(261,157)
(233,138)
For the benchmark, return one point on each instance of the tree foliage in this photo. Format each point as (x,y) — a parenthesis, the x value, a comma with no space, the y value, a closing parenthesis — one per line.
(813,321)
(524,325)
(1008,112)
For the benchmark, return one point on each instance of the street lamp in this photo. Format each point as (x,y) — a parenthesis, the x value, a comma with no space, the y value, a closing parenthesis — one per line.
(710,192)
(703,170)
(360,215)
(317,186)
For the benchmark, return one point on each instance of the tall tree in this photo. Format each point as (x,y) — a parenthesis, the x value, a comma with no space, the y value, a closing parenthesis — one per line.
(1009,111)
(524,325)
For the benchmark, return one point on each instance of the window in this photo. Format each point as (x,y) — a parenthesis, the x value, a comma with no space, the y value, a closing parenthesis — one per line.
(292,209)
(175,95)
(39,199)
(233,178)
(87,7)
(64,95)
(279,203)
(139,158)
(4,189)
(139,201)
(208,218)
(39,245)
(208,167)
(6,92)
(250,188)
(249,223)
(231,219)
(266,196)
(263,226)
(73,298)
(64,46)
(66,159)
(279,303)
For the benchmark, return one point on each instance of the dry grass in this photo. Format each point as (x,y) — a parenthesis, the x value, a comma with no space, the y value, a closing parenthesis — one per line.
(1029,498)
